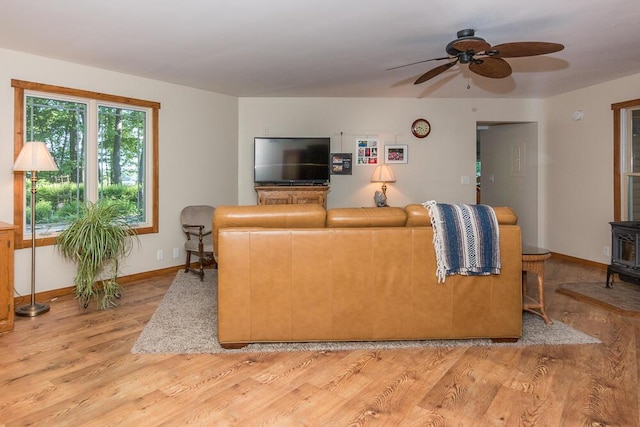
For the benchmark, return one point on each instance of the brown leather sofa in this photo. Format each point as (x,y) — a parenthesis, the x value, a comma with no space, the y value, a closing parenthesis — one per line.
(291,273)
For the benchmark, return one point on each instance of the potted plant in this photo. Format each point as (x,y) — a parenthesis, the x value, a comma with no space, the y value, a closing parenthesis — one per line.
(96,240)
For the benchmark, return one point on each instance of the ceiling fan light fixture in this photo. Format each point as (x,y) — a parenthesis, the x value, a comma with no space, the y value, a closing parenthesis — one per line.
(466,57)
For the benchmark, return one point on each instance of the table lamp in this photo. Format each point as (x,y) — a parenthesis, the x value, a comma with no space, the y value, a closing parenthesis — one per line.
(383,174)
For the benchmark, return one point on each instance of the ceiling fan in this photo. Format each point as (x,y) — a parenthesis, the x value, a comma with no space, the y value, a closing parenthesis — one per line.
(483,59)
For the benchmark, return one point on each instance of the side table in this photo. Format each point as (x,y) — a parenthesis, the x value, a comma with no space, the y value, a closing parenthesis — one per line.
(6,276)
(533,260)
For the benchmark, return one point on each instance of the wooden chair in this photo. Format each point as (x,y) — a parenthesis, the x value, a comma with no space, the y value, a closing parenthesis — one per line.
(197,223)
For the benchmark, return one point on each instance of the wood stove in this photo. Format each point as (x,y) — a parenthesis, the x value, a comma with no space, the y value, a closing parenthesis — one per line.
(625,251)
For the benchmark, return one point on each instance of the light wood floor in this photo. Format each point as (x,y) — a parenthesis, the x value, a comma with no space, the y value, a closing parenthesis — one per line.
(74,368)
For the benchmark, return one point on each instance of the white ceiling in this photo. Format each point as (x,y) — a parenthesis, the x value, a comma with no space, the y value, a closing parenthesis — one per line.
(330,47)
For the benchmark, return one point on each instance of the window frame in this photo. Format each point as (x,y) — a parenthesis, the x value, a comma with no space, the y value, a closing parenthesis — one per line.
(20,87)
(619,166)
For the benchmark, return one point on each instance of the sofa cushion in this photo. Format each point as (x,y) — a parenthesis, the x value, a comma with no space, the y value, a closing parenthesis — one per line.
(267,216)
(418,215)
(366,217)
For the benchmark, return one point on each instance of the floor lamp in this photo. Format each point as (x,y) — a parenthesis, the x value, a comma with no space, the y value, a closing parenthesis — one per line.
(34,157)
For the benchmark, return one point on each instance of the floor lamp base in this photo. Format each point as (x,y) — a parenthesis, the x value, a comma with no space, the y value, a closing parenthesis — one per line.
(32,310)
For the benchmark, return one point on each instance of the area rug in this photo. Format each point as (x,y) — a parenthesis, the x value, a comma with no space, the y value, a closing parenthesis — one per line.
(186,322)
(622,298)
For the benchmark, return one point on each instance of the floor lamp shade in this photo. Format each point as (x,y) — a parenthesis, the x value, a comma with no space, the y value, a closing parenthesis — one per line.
(34,157)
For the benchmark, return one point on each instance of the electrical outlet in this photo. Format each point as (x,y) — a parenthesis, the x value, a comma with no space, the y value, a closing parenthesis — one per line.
(464,179)
(606,251)
(265,130)
(159,255)
(176,252)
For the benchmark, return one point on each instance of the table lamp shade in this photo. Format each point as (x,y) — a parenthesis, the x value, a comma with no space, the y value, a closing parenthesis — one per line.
(383,173)
(34,156)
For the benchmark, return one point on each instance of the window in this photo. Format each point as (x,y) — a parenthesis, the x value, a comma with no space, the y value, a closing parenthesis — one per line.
(626,136)
(105,146)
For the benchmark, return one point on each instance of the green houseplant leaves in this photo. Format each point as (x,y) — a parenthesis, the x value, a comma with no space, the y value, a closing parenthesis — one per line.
(96,240)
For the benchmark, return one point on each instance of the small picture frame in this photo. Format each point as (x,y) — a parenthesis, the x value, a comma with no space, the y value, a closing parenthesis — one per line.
(367,151)
(341,163)
(396,153)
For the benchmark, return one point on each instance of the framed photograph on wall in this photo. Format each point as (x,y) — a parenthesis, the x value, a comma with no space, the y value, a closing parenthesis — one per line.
(396,153)
(367,151)
(341,163)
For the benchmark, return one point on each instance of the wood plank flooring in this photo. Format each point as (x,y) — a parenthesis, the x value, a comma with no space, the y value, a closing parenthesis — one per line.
(74,368)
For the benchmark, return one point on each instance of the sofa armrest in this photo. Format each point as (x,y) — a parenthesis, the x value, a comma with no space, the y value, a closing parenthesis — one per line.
(417,216)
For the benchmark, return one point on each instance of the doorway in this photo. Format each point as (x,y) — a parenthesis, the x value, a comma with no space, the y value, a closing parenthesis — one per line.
(507,171)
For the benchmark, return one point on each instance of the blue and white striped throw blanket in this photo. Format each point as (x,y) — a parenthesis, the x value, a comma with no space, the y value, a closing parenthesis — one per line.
(466,239)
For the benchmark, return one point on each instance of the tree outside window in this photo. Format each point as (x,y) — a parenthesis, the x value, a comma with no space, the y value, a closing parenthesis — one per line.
(104,149)
(61,125)
(121,159)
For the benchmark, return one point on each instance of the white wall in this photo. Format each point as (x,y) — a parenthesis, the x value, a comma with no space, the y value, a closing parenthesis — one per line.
(577,168)
(198,157)
(436,164)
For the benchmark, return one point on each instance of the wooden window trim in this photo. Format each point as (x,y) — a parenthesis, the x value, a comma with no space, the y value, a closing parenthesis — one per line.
(18,141)
(617,147)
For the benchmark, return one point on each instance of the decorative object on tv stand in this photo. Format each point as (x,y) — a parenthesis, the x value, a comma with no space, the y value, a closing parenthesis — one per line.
(34,157)
(383,174)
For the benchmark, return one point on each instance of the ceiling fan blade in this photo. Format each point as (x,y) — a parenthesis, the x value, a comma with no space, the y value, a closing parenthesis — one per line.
(419,62)
(519,49)
(474,45)
(434,72)
(495,68)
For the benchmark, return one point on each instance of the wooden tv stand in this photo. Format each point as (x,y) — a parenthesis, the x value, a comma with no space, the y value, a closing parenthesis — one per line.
(292,195)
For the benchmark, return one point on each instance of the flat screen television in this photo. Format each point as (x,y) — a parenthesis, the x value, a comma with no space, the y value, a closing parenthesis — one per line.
(291,160)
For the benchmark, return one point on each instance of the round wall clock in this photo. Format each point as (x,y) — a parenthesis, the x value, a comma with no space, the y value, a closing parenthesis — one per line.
(420,128)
